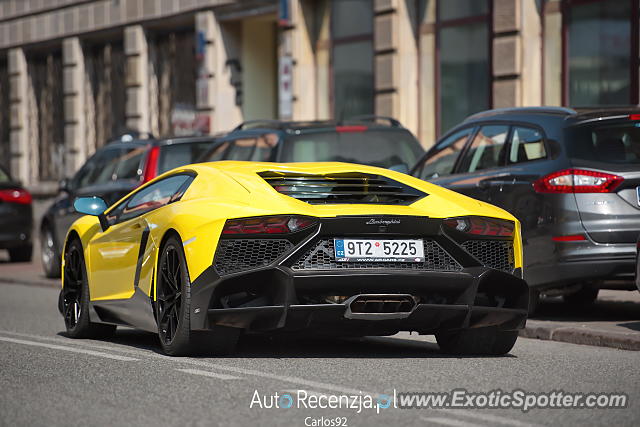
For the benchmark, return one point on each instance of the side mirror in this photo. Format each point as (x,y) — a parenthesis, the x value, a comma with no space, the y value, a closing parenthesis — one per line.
(94,206)
(402,168)
(63,185)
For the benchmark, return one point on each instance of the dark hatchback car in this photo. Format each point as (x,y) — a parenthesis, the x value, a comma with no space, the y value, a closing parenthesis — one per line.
(370,140)
(113,171)
(573,180)
(16,220)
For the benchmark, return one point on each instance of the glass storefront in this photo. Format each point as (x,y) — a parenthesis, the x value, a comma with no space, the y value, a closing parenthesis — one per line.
(464,65)
(598,53)
(352,61)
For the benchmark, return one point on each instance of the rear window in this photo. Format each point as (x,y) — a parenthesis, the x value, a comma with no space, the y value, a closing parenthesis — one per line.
(176,155)
(611,142)
(4,177)
(375,148)
(250,148)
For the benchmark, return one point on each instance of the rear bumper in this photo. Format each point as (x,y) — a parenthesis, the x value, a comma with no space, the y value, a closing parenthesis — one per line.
(15,238)
(471,298)
(585,261)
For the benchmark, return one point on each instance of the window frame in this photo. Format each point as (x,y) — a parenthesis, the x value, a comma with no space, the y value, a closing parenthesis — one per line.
(634,58)
(459,22)
(183,188)
(511,124)
(363,37)
(434,150)
(530,126)
(502,162)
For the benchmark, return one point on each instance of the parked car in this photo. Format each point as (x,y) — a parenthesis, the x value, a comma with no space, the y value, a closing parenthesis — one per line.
(571,177)
(16,219)
(324,248)
(370,140)
(638,258)
(112,172)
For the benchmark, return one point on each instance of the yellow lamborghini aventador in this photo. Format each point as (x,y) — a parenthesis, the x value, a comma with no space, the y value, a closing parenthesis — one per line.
(206,252)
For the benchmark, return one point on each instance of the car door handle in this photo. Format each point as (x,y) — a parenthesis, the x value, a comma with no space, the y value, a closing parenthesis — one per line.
(136,226)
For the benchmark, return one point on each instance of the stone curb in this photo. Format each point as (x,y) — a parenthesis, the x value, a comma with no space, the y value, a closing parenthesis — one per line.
(585,336)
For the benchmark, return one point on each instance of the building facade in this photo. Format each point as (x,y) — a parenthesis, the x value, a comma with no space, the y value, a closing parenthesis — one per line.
(74,73)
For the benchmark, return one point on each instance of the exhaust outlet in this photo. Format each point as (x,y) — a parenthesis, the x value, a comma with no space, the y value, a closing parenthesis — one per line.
(379,306)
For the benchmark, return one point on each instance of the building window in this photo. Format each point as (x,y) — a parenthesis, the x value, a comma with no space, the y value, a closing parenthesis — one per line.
(599,69)
(352,57)
(463,66)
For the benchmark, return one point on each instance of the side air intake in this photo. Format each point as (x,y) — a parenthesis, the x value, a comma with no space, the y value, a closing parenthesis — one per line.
(347,188)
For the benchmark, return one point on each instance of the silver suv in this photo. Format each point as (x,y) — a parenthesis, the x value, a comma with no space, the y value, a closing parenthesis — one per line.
(571,177)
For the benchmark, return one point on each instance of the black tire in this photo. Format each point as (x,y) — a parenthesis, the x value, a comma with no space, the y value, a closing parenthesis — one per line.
(534,301)
(173,308)
(74,297)
(483,341)
(584,297)
(21,254)
(48,253)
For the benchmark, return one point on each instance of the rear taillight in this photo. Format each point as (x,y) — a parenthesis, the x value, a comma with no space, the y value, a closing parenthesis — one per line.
(16,195)
(354,128)
(577,181)
(634,116)
(569,238)
(281,224)
(151,167)
(479,226)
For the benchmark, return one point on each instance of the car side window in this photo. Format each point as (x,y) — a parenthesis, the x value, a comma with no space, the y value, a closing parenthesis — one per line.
(109,165)
(154,196)
(441,163)
(527,144)
(254,149)
(487,149)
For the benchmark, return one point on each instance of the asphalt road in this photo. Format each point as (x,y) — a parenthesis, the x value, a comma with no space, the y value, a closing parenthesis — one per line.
(47,379)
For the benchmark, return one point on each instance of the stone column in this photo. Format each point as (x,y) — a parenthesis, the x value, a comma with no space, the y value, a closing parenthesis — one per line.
(74,99)
(427,67)
(19,81)
(517,61)
(137,78)
(396,62)
(205,83)
(552,93)
(297,43)
(227,76)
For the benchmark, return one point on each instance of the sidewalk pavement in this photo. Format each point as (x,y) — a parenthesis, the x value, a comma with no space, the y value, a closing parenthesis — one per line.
(613,321)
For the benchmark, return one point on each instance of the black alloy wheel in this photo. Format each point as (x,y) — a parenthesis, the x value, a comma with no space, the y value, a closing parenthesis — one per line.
(173,307)
(48,253)
(169,298)
(72,289)
(74,297)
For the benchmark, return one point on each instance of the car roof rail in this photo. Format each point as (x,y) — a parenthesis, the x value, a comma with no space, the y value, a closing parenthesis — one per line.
(373,118)
(516,110)
(258,123)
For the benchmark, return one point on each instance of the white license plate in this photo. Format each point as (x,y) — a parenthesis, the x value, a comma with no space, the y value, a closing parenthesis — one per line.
(372,250)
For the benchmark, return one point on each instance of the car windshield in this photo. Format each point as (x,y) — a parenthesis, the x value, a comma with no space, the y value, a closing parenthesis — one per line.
(382,148)
(606,142)
(176,155)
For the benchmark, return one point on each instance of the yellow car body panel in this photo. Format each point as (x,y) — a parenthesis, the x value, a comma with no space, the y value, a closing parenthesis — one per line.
(228,190)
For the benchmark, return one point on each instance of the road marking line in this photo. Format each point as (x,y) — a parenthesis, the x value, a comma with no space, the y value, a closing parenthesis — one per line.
(487,417)
(209,374)
(71,349)
(449,422)
(299,381)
